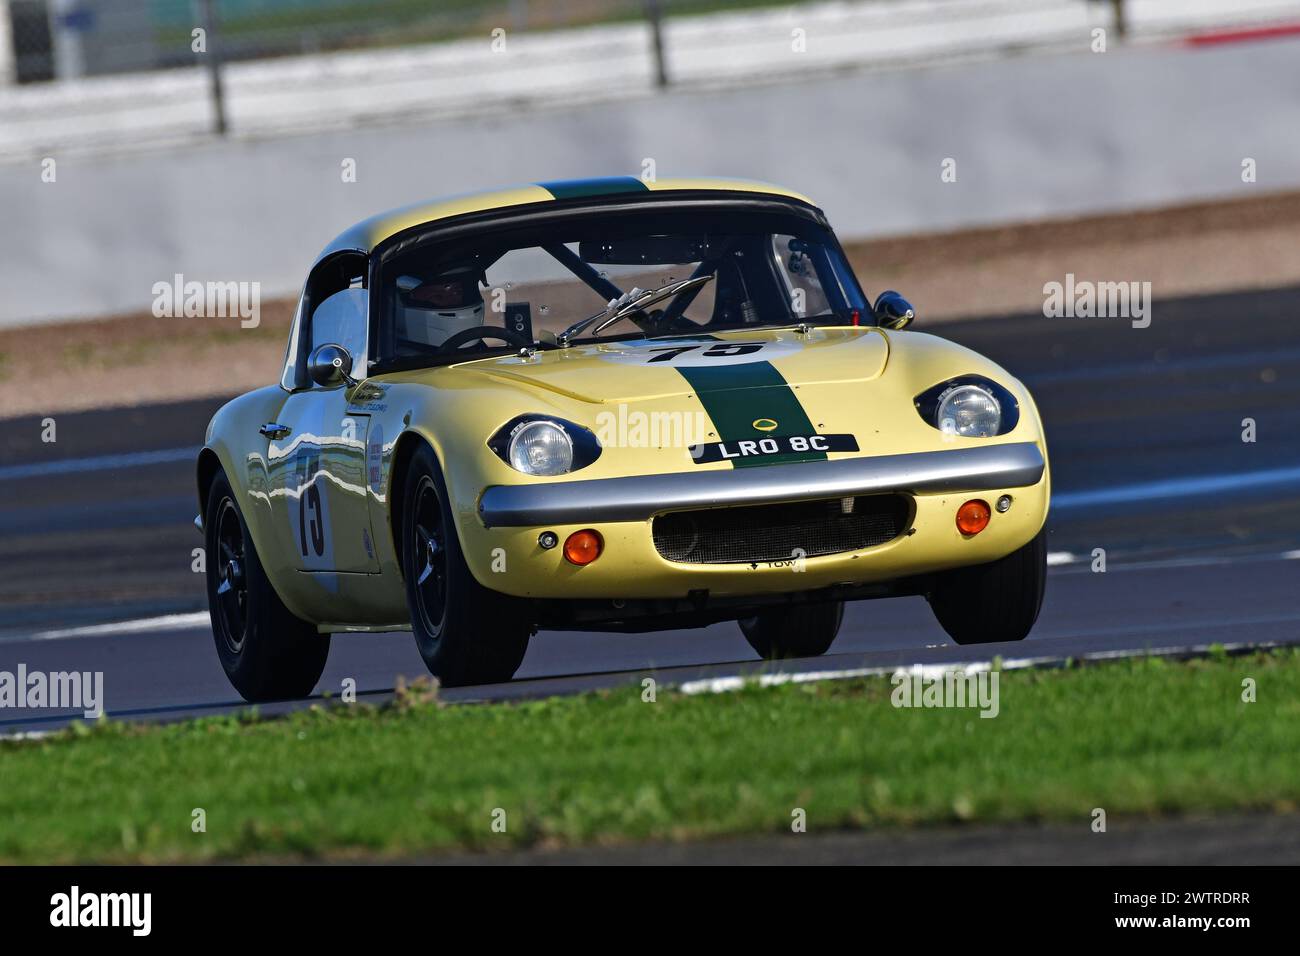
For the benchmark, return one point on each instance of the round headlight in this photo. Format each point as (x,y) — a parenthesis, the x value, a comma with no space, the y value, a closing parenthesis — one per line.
(540,448)
(969,411)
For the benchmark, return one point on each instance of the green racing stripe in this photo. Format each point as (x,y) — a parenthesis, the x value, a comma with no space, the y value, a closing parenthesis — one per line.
(582,188)
(736,396)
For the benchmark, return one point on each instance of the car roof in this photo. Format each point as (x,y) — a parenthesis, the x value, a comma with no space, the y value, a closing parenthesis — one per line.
(367,234)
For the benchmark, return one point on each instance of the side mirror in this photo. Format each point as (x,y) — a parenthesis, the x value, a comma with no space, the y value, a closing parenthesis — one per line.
(892,311)
(331,365)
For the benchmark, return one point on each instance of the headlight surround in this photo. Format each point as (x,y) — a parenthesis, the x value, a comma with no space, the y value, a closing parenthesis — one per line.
(970,406)
(544,446)
(540,448)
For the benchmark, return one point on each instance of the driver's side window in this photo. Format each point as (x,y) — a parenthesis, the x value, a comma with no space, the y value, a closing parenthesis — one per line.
(338,304)
(341,320)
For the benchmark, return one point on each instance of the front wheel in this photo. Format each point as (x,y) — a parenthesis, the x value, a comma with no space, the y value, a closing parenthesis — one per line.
(805,631)
(997,601)
(466,633)
(266,652)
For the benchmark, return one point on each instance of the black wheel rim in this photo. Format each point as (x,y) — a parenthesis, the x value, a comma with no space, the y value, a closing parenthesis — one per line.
(428,553)
(231,577)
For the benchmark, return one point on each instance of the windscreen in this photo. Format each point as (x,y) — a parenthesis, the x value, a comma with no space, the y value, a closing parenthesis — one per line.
(651,275)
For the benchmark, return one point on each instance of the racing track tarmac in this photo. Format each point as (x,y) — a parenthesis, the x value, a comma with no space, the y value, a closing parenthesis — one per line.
(1201,530)
(1219,841)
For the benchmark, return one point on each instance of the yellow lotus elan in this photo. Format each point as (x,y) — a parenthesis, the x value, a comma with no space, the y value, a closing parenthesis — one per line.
(611,405)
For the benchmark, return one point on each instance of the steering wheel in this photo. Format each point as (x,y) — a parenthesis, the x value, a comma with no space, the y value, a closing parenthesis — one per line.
(465,336)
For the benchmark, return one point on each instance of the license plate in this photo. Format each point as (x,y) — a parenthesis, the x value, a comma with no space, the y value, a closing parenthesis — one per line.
(771,445)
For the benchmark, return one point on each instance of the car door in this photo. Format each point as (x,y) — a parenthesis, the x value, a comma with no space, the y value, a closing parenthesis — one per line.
(317,455)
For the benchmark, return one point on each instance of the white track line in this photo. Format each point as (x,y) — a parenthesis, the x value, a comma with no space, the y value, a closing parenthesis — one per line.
(722,685)
(1192,486)
(74,466)
(167,622)
(1167,564)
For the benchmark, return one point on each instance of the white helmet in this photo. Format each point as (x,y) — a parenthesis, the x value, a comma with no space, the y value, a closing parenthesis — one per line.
(432,312)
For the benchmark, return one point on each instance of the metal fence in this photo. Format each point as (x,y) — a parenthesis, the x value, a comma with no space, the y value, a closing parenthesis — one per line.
(63,39)
(133,72)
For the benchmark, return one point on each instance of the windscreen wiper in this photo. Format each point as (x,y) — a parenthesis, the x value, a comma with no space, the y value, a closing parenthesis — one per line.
(635,301)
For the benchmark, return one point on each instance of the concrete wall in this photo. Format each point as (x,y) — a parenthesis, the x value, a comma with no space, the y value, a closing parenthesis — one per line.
(1032,137)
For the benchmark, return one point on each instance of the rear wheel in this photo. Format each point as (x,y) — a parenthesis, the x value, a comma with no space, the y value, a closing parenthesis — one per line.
(805,631)
(266,652)
(998,601)
(466,633)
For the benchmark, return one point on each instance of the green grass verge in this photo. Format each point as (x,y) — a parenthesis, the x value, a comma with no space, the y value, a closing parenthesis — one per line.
(1137,738)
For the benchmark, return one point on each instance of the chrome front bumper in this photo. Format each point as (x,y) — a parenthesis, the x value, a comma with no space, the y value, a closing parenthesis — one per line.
(638,498)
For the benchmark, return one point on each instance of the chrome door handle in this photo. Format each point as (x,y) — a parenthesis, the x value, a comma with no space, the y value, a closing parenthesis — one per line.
(274,431)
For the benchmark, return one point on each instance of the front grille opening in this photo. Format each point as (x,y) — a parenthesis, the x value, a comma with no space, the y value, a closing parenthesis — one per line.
(782,531)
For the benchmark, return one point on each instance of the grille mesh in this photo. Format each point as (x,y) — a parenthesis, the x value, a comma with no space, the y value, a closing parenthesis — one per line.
(776,532)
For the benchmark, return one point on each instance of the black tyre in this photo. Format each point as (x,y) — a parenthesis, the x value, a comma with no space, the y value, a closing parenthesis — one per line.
(267,652)
(466,633)
(805,631)
(998,601)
